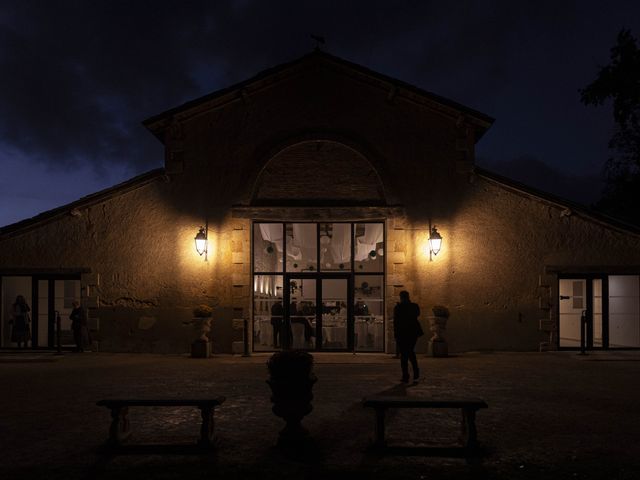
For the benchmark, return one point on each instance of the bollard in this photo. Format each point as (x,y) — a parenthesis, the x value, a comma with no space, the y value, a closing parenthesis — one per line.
(58,334)
(583,333)
(245,337)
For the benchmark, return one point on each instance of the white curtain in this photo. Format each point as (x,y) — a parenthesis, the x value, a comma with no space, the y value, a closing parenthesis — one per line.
(373,234)
(292,251)
(304,237)
(272,232)
(341,242)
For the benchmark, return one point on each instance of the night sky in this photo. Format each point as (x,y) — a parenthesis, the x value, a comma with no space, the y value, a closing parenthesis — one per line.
(78,77)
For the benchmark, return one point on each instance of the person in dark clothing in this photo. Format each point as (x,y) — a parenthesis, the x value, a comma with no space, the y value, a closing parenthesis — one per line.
(407,329)
(21,331)
(277,316)
(78,318)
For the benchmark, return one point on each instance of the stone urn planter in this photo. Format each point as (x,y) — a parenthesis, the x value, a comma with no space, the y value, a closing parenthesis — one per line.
(437,326)
(291,380)
(201,346)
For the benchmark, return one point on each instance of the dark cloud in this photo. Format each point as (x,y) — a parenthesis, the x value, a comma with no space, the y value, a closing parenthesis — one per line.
(78,77)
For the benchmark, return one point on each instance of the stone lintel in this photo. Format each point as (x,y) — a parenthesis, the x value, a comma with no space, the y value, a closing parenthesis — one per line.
(292,214)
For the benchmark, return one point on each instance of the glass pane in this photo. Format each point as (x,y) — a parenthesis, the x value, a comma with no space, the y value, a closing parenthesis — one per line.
(571,310)
(597,312)
(11,288)
(267,247)
(369,247)
(368,313)
(624,311)
(302,247)
(302,312)
(43,313)
(268,312)
(334,313)
(335,246)
(66,291)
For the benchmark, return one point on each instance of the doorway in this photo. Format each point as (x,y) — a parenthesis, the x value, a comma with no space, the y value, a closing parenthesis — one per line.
(318,313)
(318,286)
(607,305)
(48,297)
(581,306)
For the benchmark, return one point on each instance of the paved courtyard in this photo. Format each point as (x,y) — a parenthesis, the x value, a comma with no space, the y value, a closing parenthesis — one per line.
(550,415)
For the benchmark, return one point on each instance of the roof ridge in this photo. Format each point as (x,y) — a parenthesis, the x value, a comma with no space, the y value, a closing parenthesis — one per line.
(316,53)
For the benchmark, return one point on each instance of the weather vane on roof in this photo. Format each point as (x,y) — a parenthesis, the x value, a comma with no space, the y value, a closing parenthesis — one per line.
(319,40)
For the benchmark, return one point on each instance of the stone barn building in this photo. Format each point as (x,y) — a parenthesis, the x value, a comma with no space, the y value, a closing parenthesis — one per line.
(318,185)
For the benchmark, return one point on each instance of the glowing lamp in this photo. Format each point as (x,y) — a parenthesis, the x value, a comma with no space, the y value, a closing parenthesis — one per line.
(435,241)
(201,241)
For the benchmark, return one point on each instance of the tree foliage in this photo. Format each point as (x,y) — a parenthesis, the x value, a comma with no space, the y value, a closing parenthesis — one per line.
(619,81)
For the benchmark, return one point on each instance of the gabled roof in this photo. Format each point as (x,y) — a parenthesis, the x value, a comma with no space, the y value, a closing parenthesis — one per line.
(87,201)
(158,123)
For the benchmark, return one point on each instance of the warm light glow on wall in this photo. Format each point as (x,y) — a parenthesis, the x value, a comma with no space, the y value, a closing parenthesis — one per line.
(425,246)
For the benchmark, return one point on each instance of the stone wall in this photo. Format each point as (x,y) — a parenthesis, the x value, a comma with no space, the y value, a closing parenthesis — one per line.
(144,276)
(496,270)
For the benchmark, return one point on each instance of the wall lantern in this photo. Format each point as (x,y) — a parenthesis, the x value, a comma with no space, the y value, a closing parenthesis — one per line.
(201,242)
(435,242)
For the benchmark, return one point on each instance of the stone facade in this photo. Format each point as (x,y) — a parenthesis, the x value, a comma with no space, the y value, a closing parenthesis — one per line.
(318,139)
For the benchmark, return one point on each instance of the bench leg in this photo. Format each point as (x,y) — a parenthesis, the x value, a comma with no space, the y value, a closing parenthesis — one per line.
(379,428)
(119,430)
(469,435)
(207,427)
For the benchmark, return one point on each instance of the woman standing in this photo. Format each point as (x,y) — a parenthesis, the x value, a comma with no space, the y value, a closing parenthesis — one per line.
(21,332)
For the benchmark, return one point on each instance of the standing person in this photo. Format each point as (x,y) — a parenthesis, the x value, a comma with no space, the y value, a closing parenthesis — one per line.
(277,315)
(407,329)
(21,331)
(79,326)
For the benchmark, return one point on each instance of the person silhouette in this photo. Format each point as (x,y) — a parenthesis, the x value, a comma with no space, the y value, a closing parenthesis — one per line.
(407,329)
(78,319)
(21,331)
(277,316)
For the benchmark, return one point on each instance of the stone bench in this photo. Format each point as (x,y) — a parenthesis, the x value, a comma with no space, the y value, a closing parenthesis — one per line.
(469,407)
(120,430)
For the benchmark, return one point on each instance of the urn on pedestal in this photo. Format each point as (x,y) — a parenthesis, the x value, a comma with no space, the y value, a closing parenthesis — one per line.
(438,324)
(291,380)
(201,346)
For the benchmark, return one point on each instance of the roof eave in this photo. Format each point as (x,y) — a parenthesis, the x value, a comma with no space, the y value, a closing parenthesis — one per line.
(86,201)
(578,208)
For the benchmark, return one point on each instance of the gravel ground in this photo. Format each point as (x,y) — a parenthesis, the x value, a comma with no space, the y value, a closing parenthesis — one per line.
(550,415)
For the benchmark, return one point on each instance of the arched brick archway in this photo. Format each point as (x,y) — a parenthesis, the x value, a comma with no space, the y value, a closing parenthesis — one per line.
(318,172)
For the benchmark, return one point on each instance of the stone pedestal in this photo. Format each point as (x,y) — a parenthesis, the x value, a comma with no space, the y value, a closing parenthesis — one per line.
(437,343)
(438,348)
(201,349)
